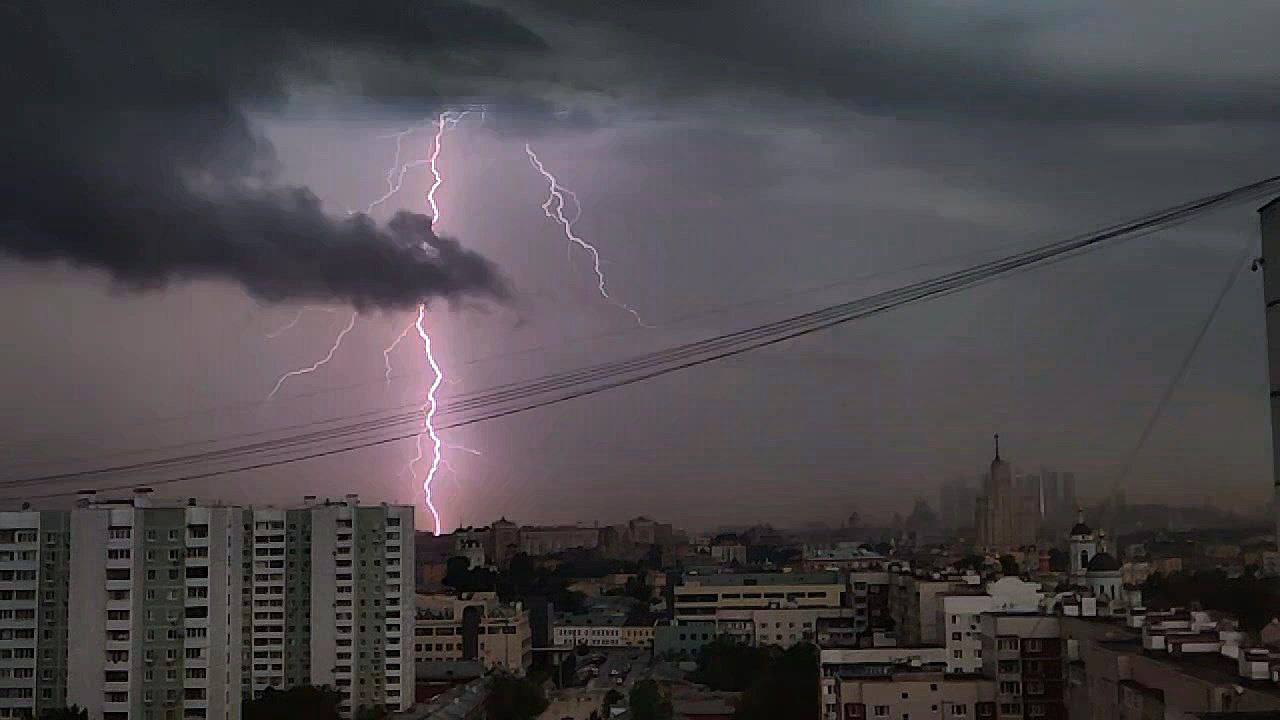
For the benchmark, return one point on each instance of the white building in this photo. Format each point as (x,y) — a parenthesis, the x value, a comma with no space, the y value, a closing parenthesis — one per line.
(178,610)
(34,549)
(473,626)
(154,616)
(362,603)
(959,617)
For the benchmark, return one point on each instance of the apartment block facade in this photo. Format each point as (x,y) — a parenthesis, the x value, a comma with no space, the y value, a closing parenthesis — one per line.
(1027,657)
(143,609)
(34,548)
(155,611)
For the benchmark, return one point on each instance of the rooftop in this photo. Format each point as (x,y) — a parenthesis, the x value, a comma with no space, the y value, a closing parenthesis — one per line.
(748,579)
(1209,667)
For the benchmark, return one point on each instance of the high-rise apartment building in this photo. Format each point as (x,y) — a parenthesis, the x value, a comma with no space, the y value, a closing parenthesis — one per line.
(180,610)
(362,602)
(34,548)
(155,592)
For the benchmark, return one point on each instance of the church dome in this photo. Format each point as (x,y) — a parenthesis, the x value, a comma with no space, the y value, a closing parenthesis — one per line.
(1104,562)
(1081,529)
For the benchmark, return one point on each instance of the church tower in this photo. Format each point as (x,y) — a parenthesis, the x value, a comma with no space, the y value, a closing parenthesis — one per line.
(1082,547)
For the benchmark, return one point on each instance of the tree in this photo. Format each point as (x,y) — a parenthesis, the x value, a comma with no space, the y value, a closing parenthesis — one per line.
(786,689)
(1009,566)
(459,576)
(300,703)
(513,698)
(648,702)
(1058,560)
(611,698)
(75,712)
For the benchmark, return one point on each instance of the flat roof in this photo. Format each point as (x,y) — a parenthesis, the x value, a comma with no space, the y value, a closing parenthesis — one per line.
(750,579)
(1266,207)
(1212,668)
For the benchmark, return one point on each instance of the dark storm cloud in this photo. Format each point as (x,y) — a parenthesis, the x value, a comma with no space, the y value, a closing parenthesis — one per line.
(1058,63)
(128,150)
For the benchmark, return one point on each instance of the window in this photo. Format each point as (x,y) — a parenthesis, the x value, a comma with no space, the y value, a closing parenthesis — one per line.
(956,636)
(881,711)
(957,654)
(119,533)
(118,554)
(1034,646)
(1010,688)
(959,709)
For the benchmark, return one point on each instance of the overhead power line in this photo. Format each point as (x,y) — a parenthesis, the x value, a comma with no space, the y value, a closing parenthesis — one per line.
(519,397)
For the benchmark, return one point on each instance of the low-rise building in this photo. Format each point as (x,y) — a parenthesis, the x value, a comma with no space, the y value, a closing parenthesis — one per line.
(898,683)
(600,629)
(473,626)
(1166,665)
(682,638)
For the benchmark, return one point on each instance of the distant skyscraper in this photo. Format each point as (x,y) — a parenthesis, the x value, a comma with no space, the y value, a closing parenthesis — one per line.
(998,506)
(1069,501)
(1050,493)
(957,503)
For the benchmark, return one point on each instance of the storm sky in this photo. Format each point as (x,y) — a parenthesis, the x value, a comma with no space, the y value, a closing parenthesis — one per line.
(179,185)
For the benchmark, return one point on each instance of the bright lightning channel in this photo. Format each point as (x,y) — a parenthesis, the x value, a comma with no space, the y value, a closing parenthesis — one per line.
(428,415)
(554,208)
(395,181)
(445,121)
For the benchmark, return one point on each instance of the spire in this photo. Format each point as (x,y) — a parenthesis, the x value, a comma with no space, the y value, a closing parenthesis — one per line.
(997,446)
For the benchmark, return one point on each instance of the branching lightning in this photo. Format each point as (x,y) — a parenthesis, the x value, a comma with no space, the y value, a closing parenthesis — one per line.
(318,364)
(292,324)
(554,209)
(443,122)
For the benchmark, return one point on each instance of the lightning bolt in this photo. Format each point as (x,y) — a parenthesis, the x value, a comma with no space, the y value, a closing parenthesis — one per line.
(428,416)
(337,342)
(444,121)
(554,209)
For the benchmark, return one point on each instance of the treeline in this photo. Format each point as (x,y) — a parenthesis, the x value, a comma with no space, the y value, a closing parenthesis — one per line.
(775,683)
(1250,598)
